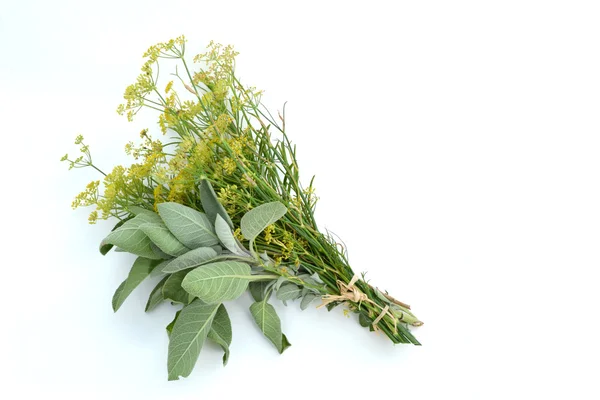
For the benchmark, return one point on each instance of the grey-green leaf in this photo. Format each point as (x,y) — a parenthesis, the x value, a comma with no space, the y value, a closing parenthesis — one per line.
(159,252)
(160,235)
(156,296)
(132,239)
(288,291)
(139,271)
(105,247)
(306,300)
(226,237)
(258,289)
(191,259)
(268,322)
(189,333)
(220,331)
(157,271)
(150,217)
(173,291)
(169,327)
(363,320)
(190,227)
(217,248)
(285,343)
(256,220)
(218,282)
(211,205)
(137,210)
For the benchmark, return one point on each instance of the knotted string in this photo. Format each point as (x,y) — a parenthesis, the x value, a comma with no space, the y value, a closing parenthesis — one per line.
(349,292)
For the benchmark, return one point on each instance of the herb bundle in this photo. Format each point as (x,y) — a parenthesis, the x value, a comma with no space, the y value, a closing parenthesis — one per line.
(219,209)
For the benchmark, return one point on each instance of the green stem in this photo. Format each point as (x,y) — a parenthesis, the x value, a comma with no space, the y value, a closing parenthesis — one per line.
(263,277)
(97,169)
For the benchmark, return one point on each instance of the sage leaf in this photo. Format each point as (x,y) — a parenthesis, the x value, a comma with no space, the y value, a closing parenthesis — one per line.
(160,235)
(226,237)
(150,217)
(187,337)
(288,291)
(157,271)
(267,320)
(306,300)
(139,271)
(173,291)
(310,281)
(285,343)
(211,205)
(137,210)
(218,282)
(363,320)
(105,247)
(156,296)
(191,259)
(169,327)
(258,289)
(280,281)
(220,331)
(190,227)
(266,259)
(159,252)
(256,220)
(132,239)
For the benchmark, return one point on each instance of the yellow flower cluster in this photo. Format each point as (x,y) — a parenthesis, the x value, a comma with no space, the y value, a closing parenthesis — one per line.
(180,186)
(238,234)
(134,94)
(269,233)
(207,142)
(219,63)
(115,187)
(287,244)
(229,166)
(158,196)
(93,217)
(88,197)
(229,198)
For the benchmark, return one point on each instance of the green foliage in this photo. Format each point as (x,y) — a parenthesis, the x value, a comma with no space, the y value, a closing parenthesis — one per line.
(306,300)
(191,259)
(220,331)
(211,205)
(226,237)
(156,296)
(173,291)
(364,320)
(259,289)
(187,337)
(258,219)
(288,291)
(220,208)
(190,227)
(218,282)
(160,235)
(269,324)
(171,324)
(139,271)
(132,239)
(105,247)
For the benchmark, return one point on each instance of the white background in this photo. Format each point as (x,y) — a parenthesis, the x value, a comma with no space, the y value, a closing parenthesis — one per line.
(456,150)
